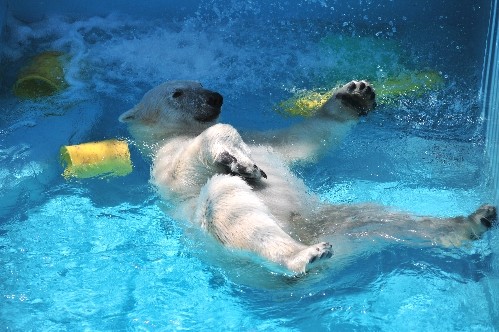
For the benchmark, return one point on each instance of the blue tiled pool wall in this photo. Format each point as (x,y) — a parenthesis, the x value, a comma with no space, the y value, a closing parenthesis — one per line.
(490,95)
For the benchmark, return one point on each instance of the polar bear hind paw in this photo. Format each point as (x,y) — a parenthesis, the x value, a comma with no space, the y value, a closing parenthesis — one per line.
(244,170)
(485,215)
(304,259)
(358,95)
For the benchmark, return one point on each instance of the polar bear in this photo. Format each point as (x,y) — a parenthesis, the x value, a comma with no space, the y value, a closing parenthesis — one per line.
(243,193)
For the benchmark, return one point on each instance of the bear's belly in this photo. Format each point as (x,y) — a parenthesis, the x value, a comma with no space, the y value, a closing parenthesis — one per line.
(285,195)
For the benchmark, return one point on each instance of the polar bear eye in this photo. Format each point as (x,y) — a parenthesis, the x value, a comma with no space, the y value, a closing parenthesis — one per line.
(177,93)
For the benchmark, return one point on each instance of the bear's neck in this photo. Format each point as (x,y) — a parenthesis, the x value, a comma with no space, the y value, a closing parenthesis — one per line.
(149,140)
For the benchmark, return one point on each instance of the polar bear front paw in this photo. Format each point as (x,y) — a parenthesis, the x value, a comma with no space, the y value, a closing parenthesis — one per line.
(302,261)
(246,170)
(358,95)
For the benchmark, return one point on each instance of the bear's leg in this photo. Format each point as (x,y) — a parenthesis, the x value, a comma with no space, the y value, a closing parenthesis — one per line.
(371,221)
(229,210)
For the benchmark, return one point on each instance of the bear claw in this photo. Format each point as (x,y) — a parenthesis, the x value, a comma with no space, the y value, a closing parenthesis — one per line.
(302,260)
(234,167)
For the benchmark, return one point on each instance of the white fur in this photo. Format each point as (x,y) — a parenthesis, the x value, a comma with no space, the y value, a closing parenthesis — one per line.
(246,197)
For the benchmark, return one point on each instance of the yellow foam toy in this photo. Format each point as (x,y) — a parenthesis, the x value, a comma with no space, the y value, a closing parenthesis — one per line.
(414,84)
(304,103)
(42,76)
(105,158)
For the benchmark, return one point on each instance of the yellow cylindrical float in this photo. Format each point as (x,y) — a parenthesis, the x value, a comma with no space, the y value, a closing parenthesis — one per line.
(105,158)
(42,76)
(407,83)
(414,84)
(305,103)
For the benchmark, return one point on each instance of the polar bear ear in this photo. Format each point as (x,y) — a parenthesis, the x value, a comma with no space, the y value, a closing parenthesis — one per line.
(128,116)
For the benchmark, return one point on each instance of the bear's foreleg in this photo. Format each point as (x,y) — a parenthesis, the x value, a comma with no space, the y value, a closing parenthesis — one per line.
(311,138)
(223,150)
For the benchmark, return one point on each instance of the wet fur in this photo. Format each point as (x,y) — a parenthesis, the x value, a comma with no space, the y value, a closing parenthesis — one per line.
(247,198)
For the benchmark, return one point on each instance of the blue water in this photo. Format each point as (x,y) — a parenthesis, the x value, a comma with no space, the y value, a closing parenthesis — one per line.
(101,255)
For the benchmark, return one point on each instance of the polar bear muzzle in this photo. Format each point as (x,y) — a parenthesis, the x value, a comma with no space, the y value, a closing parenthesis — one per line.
(211,108)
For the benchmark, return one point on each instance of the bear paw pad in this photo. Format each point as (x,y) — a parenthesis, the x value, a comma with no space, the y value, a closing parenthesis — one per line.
(358,95)
(313,254)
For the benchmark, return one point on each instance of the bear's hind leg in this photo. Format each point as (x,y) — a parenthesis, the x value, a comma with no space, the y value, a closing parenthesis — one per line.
(230,211)
(374,221)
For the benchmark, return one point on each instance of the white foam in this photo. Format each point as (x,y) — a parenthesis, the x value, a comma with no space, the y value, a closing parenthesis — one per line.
(115,53)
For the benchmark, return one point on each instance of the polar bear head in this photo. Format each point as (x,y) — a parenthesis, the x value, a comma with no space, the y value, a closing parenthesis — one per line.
(173,108)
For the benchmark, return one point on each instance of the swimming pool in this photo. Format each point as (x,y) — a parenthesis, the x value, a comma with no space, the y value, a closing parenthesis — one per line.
(100,254)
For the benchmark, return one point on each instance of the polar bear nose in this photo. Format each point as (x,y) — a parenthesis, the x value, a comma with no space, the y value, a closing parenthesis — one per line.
(215,99)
